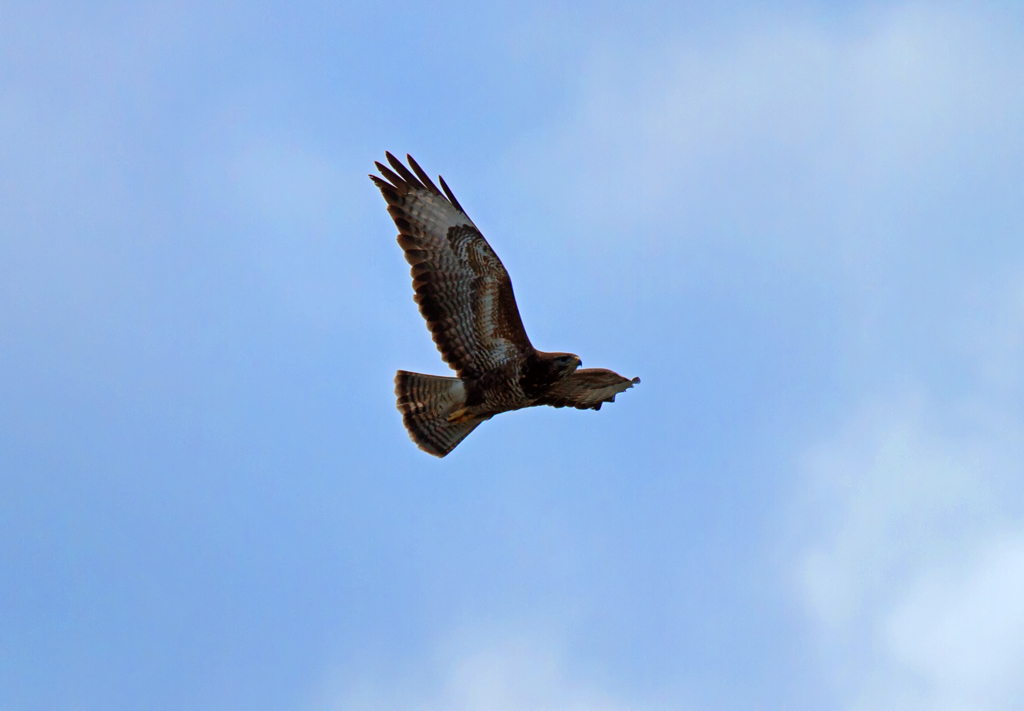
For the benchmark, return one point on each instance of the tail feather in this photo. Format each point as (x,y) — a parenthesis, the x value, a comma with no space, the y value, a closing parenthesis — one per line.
(425,402)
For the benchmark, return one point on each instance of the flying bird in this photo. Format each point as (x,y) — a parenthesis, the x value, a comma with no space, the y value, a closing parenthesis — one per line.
(465,295)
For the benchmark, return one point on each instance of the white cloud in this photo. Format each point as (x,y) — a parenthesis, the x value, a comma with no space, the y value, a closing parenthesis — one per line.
(892,483)
(962,628)
(912,572)
(791,138)
(505,672)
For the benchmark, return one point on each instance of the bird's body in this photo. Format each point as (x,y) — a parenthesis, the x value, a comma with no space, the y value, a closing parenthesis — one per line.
(466,297)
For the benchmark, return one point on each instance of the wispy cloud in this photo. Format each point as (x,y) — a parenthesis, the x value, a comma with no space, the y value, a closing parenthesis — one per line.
(957,633)
(479,671)
(791,137)
(912,572)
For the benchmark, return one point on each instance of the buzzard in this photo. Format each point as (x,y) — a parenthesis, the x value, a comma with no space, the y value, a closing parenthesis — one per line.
(465,295)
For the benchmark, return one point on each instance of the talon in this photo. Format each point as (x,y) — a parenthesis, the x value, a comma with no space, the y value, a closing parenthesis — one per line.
(460,415)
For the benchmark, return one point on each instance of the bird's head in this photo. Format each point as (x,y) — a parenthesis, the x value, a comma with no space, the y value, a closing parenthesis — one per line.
(566,363)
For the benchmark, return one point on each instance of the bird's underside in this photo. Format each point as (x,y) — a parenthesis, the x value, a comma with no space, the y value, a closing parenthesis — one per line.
(465,295)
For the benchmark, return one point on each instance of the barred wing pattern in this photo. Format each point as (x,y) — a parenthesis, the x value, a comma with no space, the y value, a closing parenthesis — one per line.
(463,291)
(587,389)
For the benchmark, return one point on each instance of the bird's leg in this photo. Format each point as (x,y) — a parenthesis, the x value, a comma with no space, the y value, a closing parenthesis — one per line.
(460,415)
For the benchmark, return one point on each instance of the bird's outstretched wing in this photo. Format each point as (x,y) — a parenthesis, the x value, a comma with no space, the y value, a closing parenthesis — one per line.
(461,286)
(586,389)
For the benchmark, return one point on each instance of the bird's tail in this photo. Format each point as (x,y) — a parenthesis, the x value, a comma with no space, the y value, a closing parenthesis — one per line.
(427,404)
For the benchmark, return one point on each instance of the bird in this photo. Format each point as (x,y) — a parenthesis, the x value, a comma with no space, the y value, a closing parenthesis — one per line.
(465,295)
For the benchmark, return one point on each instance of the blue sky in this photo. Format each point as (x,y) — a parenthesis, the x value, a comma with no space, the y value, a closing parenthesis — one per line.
(801,227)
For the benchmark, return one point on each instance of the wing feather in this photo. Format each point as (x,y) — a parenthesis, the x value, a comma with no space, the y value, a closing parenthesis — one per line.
(450,194)
(406,174)
(587,389)
(462,289)
(422,174)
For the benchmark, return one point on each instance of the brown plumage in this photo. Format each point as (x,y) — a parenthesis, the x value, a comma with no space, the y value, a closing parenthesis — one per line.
(465,295)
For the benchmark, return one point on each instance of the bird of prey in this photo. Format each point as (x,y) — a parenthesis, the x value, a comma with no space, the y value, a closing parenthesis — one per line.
(465,295)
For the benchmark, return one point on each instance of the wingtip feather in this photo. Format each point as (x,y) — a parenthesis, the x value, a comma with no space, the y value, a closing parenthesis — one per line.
(403,171)
(449,194)
(421,174)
